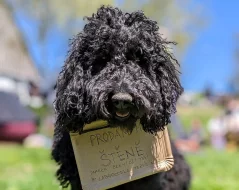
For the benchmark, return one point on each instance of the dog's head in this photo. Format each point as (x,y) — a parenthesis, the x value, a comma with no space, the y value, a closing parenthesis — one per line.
(118,69)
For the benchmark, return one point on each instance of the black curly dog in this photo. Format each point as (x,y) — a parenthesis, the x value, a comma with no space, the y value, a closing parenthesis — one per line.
(118,69)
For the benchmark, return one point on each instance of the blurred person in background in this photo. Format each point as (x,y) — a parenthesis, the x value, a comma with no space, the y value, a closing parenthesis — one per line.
(216,128)
(188,142)
(231,120)
(197,132)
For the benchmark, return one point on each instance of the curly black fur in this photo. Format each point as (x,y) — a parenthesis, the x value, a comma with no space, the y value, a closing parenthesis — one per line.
(116,52)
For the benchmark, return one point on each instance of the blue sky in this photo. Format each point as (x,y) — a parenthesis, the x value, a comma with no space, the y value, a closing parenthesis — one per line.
(208,61)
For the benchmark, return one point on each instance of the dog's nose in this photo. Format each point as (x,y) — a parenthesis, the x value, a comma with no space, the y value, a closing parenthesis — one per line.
(122,100)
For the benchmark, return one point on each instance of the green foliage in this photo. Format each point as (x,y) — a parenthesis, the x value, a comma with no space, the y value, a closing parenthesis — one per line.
(42,111)
(41,114)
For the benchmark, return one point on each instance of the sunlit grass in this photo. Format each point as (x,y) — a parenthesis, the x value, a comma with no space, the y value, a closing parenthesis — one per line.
(32,169)
(188,114)
(215,170)
(26,169)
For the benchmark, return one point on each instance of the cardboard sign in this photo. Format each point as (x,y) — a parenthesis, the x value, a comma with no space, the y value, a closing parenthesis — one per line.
(109,157)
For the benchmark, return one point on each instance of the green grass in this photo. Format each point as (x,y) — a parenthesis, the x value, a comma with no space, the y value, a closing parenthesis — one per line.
(26,169)
(188,114)
(214,170)
(32,169)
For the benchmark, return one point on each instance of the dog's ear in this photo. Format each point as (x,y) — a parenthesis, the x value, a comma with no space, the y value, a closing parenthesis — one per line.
(69,104)
(167,76)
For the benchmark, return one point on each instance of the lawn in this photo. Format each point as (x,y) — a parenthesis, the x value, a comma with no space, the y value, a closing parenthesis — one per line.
(204,114)
(32,169)
(26,169)
(214,170)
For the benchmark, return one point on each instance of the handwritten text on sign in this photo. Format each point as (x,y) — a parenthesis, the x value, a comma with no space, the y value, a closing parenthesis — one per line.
(109,157)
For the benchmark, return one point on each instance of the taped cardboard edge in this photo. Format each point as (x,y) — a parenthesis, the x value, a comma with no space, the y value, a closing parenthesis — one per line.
(168,162)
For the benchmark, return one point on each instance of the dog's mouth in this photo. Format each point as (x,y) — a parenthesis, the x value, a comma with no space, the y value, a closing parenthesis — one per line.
(122,115)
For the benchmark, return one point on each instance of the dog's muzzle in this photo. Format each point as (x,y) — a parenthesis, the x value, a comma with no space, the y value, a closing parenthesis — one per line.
(122,103)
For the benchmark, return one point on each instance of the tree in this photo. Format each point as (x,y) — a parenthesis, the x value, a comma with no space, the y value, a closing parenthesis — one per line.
(68,14)
(180,18)
(50,14)
(235,78)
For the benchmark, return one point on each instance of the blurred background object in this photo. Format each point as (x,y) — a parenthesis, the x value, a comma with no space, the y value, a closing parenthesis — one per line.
(34,38)
(16,122)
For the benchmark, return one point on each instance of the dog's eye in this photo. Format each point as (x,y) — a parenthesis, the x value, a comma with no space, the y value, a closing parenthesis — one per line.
(142,61)
(98,66)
